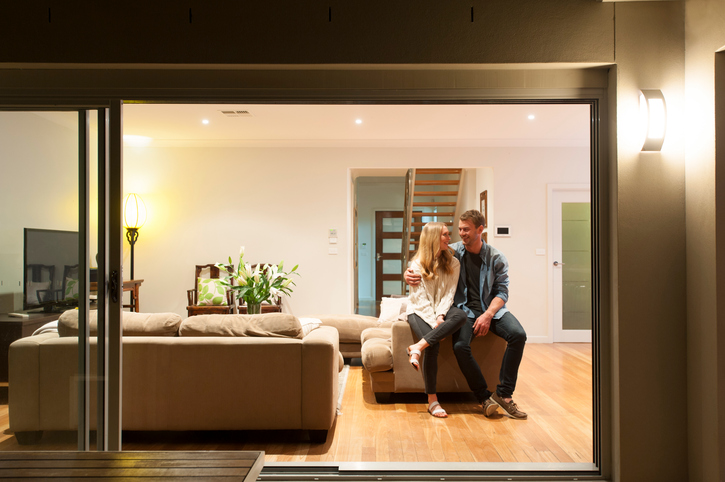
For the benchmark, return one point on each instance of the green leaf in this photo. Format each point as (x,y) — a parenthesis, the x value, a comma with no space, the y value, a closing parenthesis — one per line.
(217,300)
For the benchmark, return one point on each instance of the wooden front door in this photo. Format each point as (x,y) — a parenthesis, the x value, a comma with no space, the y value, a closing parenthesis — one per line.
(388,250)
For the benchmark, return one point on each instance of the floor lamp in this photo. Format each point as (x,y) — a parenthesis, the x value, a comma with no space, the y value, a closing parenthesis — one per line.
(134,216)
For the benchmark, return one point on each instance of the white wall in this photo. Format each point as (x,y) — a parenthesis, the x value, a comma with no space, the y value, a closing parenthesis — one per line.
(39,173)
(204,203)
(373,194)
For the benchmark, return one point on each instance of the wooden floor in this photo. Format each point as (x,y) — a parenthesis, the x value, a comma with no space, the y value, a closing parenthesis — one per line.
(554,388)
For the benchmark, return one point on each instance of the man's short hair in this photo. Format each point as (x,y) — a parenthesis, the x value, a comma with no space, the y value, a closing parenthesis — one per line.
(473,215)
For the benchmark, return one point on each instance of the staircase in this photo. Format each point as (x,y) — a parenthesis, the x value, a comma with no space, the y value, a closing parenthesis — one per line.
(430,195)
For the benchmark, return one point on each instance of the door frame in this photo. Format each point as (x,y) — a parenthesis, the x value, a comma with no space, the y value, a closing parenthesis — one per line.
(379,276)
(110,250)
(552,318)
(552,85)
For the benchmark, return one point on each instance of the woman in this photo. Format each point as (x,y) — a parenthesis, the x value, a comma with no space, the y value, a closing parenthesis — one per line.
(431,313)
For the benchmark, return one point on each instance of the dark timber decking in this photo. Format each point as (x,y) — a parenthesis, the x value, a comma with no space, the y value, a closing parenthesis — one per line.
(212,465)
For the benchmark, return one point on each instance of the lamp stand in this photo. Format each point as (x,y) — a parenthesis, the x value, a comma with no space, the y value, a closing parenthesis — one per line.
(132,237)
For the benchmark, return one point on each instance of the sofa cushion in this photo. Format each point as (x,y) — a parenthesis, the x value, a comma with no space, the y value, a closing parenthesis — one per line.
(212,292)
(309,324)
(281,325)
(133,324)
(349,327)
(370,333)
(377,354)
(393,309)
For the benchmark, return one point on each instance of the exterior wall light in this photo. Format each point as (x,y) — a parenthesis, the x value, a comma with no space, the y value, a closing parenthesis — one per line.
(653,118)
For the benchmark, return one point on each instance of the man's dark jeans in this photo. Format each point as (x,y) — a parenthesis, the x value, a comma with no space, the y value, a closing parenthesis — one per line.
(508,328)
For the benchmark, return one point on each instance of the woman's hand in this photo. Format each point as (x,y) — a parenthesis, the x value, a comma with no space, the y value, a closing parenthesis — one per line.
(439,321)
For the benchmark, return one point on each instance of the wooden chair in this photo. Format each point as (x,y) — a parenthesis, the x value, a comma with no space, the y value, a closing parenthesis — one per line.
(193,295)
(274,307)
(42,273)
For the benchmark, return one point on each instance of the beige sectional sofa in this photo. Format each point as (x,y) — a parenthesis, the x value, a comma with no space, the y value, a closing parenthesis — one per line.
(384,356)
(214,372)
(350,328)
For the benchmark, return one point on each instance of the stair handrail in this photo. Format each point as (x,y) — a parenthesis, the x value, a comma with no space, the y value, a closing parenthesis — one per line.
(407,223)
(456,213)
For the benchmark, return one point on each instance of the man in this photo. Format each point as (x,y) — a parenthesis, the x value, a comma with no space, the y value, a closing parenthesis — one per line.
(482,293)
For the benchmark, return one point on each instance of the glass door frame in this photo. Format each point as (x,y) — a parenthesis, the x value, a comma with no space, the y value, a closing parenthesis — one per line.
(597,98)
(110,251)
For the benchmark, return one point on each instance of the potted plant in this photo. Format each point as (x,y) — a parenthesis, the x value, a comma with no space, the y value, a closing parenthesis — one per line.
(257,285)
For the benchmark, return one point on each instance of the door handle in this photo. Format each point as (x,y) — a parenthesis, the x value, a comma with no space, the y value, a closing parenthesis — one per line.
(556,263)
(378,257)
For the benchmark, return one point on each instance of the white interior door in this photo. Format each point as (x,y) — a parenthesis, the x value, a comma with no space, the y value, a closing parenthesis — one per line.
(570,263)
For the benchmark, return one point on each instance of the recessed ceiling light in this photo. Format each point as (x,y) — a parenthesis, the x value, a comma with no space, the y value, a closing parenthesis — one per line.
(205,121)
(532,117)
(358,121)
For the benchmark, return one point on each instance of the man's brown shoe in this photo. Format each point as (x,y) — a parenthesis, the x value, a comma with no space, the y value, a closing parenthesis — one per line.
(489,407)
(509,408)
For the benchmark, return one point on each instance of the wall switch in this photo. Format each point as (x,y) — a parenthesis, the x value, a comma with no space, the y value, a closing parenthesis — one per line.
(333,240)
(332,233)
(540,252)
(331,250)
(503,232)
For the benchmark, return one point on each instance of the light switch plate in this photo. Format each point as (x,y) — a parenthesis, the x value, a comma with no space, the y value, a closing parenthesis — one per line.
(331,250)
(540,252)
(503,232)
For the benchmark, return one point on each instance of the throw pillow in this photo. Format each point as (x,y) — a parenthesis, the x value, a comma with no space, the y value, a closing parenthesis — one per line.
(71,289)
(282,325)
(391,308)
(309,324)
(212,292)
(132,323)
(32,291)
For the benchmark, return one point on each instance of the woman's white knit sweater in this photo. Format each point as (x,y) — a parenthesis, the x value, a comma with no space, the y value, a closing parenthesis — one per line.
(433,297)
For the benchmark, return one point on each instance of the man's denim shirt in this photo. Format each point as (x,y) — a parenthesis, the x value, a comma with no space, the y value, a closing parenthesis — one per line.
(494,280)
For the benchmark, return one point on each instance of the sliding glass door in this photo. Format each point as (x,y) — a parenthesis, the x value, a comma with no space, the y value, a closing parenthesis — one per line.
(55,267)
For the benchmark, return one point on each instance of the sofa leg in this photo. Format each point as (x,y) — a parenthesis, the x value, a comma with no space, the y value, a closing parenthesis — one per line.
(383,397)
(318,436)
(28,438)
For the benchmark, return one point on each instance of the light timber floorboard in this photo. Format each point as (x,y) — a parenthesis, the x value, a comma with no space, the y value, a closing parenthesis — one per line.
(554,388)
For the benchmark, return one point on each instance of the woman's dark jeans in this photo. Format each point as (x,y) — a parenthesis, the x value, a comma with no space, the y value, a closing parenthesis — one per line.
(508,328)
(455,319)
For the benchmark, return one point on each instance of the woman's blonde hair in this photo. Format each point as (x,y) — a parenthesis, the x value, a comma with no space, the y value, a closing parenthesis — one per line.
(430,245)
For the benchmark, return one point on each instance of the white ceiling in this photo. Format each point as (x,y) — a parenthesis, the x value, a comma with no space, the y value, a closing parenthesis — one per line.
(382,125)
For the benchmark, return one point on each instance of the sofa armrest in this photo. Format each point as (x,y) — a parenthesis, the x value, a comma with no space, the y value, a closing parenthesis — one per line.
(24,377)
(320,350)
(406,377)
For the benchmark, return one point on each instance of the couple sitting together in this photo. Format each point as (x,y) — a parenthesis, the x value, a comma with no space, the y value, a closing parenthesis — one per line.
(462,294)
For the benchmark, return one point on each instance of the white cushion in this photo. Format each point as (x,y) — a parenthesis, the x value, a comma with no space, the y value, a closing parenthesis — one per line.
(392,308)
(309,324)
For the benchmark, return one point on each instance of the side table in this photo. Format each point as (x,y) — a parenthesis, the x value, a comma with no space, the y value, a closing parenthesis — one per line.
(12,329)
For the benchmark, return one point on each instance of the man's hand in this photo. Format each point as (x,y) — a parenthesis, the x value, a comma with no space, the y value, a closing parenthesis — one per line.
(482,324)
(411,278)
(439,321)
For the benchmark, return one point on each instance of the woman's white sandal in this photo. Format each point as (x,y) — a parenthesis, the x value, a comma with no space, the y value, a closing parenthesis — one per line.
(434,411)
(415,363)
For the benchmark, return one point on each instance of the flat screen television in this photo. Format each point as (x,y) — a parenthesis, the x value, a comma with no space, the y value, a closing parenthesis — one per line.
(50,269)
